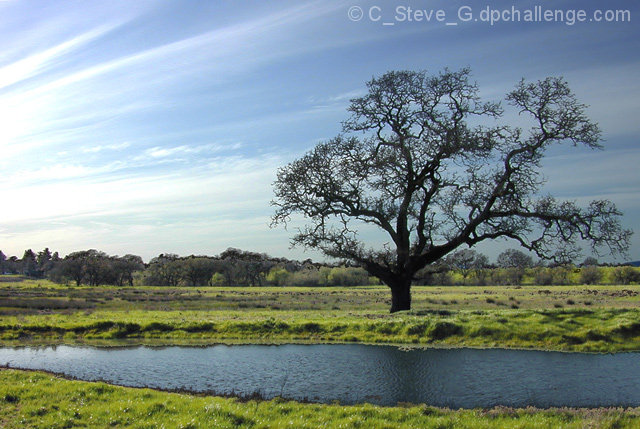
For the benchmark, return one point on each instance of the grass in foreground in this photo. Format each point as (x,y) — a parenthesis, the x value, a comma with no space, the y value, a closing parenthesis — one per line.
(37,400)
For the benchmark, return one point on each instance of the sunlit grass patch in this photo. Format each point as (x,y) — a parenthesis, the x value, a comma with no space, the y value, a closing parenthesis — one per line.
(474,316)
(37,400)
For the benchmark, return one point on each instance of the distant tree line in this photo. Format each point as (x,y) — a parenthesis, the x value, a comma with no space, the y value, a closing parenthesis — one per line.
(90,267)
(235,267)
(232,267)
(513,267)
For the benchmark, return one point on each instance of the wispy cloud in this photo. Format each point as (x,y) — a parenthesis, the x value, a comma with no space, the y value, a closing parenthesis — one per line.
(168,61)
(164,151)
(106,147)
(30,66)
(223,185)
(224,200)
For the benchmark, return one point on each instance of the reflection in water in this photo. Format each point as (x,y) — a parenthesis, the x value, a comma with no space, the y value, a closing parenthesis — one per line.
(357,373)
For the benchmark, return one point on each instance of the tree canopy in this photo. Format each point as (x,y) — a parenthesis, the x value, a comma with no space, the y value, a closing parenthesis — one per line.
(425,160)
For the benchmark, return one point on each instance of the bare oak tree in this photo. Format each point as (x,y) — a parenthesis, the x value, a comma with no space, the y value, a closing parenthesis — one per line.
(429,163)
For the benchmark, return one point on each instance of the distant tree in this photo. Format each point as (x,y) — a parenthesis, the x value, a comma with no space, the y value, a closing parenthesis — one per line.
(12,265)
(124,267)
(44,256)
(309,276)
(217,279)
(44,261)
(513,258)
(590,275)
(278,276)
(513,264)
(466,262)
(626,275)
(543,276)
(507,276)
(98,268)
(164,270)
(71,267)
(482,276)
(433,178)
(348,276)
(441,278)
(197,270)
(90,266)
(245,268)
(589,261)
(3,259)
(562,274)
(29,264)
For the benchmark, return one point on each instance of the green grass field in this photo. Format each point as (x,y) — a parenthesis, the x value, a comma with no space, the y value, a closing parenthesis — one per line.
(572,318)
(37,400)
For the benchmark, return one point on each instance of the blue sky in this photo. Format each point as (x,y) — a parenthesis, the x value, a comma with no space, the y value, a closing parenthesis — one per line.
(149,127)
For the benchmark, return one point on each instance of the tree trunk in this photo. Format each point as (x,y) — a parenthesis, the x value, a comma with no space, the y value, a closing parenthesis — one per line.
(401,296)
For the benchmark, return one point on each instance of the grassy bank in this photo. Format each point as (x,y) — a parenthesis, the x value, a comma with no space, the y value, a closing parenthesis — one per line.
(572,318)
(37,400)
(599,330)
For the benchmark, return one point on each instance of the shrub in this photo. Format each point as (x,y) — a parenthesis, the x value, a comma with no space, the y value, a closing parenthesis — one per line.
(306,277)
(482,277)
(443,279)
(348,276)
(508,276)
(543,276)
(590,275)
(278,276)
(217,279)
(626,275)
(561,275)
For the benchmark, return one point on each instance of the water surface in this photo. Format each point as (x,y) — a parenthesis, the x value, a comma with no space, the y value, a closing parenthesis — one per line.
(382,375)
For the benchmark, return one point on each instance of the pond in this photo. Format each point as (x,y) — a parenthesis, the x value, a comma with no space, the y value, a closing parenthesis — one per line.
(384,375)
